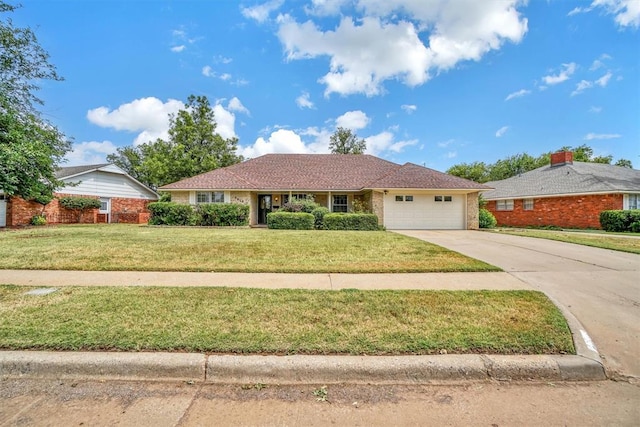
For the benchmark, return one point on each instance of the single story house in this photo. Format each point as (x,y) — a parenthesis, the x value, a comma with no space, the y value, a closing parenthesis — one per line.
(122,198)
(402,196)
(564,194)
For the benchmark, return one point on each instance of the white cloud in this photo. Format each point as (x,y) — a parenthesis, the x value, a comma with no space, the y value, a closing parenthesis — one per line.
(261,12)
(408,108)
(385,43)
(304,101)
(595,109)
(581,87)
(517,94)
(578,10)
(353,120)
(225,77)
(88,153)
(500,132)
(148,116)
(178,49)
(627,12)
(444,144)
(325,7)
(591,136)
(236,105)
(280,141)
(452,154)
(225,120)
(222,60)
(599,63)
(207,71)
(564,74)
(604,80)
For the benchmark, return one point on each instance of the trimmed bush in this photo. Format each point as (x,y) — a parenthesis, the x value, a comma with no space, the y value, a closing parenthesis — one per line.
(620,221)
(222,214)
(290,220)
(306,205)
(486,219)
(79,205)
(318,215)
(171,213)
(351,221)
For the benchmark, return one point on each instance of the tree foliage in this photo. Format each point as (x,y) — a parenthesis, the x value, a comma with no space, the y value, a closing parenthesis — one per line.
(521,163)
(30,147)
(345,141)
(193,147)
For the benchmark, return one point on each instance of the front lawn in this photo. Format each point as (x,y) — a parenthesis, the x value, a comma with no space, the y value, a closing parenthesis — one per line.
(598,239)
(141,248)
(284,321)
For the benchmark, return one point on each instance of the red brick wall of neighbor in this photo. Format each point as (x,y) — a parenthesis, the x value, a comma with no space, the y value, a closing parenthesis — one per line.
(19,211)
(567,212)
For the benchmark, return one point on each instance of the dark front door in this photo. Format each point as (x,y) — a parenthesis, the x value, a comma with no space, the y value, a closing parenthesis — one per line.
(264,207)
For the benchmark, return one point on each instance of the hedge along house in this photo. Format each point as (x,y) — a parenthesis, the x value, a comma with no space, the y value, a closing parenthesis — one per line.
(122,198)
(402,196)
(563,194)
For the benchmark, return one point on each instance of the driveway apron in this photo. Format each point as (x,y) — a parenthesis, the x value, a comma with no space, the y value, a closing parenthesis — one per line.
(600,287)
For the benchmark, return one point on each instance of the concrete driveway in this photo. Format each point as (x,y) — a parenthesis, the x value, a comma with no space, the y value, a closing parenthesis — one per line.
(600,287)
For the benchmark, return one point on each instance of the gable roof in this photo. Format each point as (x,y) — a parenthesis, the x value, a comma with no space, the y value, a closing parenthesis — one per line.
(576,178)
(69,174)
(321,172)
(68,171)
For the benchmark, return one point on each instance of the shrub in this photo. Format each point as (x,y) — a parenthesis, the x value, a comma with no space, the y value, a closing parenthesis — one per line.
(351,221)
(170,213)
(360,206)
(306,205)
(619,221)
(486,219)
(38,220)
(290,220)
(222,214)
(79,204)
(318,215)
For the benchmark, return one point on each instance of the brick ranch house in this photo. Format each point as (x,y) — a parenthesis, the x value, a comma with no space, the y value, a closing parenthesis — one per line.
(122,198)
(402,196)
(564,194)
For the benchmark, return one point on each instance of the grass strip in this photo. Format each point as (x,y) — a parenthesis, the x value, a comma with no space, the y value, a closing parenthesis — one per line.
(598,240)
(135,248)
(284,321)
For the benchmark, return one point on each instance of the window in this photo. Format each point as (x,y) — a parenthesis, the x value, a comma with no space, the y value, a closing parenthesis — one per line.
(527,204)
(104,205)
(443,198)
(295,197)
(437,198)
(634,201)
(448,198)
(408,198)
(210,197)
(399,198)
(340,203)
(504,205)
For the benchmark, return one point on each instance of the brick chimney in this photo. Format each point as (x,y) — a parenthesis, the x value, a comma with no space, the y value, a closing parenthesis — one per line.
(562,158)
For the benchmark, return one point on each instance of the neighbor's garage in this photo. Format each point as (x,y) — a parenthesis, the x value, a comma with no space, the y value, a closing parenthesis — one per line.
(407,211)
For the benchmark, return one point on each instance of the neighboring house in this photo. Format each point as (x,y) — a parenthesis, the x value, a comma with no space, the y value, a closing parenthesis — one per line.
(402,196)
(122,198)
(564,194)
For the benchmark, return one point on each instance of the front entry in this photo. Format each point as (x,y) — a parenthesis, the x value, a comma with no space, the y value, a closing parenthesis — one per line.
(264,207)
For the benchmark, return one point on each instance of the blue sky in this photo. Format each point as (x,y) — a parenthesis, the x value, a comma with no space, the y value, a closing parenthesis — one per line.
(430,82)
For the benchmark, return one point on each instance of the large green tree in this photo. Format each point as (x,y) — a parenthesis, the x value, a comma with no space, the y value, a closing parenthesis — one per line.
(345,141)
(193,147)
(31,148)
(521,163)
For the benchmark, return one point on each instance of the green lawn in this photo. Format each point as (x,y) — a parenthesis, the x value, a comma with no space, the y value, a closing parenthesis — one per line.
(240,320)
(142,248)
(598,239)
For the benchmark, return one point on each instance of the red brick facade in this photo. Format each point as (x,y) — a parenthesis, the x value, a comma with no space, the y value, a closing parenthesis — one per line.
(566,212)
(132,211)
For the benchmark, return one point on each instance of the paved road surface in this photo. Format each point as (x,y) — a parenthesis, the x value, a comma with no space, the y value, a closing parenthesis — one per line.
(600,287)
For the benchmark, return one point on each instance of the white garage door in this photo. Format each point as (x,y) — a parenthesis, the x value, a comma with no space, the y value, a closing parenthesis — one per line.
(408,211)
(3,211)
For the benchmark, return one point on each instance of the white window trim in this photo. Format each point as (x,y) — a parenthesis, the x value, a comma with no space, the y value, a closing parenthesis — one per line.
(524,204)
(508,205)
(333,204)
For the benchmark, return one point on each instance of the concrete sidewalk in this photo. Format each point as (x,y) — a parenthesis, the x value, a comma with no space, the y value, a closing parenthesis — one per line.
(584,366)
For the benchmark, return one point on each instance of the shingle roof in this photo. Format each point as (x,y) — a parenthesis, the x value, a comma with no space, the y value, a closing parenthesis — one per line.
(576,178)
(75,170)
(320,172)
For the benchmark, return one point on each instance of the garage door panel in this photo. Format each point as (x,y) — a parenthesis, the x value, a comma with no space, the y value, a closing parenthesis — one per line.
(424,213)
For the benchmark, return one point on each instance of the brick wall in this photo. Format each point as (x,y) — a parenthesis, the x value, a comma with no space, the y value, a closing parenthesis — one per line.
(566,212)
(129,211)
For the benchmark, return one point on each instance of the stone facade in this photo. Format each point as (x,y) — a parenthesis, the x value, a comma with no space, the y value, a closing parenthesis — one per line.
(473,211)
(180,196)
(377,205)
(567,212)
(241,197)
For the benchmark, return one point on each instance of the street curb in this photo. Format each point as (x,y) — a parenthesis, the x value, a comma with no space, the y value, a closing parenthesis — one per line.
(231,369)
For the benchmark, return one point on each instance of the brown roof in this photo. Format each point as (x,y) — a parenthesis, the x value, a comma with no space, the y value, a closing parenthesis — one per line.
(321,172)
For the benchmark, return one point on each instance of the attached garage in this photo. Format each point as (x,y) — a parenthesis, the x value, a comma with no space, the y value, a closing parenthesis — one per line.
(433,211)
